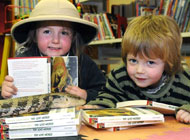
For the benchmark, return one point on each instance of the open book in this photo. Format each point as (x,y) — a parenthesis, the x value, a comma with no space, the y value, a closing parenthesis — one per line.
(41,75)
(161,107)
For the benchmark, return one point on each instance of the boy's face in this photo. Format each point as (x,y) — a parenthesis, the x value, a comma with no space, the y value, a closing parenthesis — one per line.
(144,71)
(54,39)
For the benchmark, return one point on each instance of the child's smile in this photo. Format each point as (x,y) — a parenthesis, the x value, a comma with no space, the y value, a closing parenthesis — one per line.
(54,39)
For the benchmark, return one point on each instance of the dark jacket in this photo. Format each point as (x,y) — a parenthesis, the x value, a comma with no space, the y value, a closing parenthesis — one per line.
(90,76)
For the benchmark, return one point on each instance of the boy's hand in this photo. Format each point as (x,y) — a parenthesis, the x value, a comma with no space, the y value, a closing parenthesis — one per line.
(183,116)
(8,88)
(76,91)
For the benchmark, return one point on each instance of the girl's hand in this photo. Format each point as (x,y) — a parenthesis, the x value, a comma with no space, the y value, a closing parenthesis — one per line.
(8,88)
(183,116)
(76,91)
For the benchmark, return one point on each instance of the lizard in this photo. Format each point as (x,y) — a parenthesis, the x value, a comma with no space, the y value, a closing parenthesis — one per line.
(36,103)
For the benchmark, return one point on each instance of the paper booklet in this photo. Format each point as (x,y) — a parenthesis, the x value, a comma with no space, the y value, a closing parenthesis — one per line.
(41,75)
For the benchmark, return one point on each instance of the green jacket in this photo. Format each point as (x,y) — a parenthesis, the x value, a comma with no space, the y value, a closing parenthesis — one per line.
(120,87)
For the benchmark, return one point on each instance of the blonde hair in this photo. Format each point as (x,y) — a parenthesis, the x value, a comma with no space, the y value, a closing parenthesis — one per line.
(154,36)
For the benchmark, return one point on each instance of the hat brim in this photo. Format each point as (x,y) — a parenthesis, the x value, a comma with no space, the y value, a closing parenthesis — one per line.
(86,29)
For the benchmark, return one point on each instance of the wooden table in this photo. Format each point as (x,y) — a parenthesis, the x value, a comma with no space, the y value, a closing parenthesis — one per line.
(169,130)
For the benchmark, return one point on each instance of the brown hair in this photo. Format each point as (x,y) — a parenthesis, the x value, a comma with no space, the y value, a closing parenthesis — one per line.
(154,36)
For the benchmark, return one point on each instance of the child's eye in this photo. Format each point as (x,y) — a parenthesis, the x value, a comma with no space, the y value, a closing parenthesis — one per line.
(150,62)
(46,31)
(132,61)
(65,33)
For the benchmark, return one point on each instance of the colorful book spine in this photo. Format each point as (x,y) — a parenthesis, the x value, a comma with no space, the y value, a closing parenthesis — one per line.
(108,25)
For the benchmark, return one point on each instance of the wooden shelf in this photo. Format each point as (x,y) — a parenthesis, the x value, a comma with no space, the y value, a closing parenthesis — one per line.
(108,41)
(118,40)
(185,34)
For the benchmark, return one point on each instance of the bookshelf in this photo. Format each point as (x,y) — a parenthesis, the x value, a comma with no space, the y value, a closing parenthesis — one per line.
(118,40)
(109,45)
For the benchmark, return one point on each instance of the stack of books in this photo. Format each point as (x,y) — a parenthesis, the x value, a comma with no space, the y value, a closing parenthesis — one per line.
(55,123)
(115,119)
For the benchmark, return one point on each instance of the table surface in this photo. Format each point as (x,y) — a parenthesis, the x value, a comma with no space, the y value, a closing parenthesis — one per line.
(169,130)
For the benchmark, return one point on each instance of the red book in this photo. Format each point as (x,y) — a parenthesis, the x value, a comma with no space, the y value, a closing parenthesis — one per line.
(161,6)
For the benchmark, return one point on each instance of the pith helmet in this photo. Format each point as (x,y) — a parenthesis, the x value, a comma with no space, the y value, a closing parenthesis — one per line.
(59,10)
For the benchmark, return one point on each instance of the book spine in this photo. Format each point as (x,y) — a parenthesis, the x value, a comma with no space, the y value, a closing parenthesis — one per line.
(125,118)
(5,136)
(162,105)
(39,124)
(100,29)
(54,114)
(166,7)
(175,8)
(108,25)
(187,18)
(44,129)
(123,124)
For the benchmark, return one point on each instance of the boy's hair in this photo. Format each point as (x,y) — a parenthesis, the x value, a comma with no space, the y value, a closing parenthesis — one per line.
(154,36)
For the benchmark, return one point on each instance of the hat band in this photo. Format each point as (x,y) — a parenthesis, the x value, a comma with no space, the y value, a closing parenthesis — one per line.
(67,12)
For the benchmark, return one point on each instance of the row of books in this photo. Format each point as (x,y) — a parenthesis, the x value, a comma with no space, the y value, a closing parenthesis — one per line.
(177,9)
(180,11)
(110,26)
(104,26)
(24,7)
(55,123)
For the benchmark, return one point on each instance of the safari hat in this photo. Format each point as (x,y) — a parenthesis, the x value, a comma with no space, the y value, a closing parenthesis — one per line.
(59,10)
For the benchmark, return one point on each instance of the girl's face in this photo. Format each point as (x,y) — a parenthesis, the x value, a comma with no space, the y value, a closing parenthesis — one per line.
(144,71)
(54,39)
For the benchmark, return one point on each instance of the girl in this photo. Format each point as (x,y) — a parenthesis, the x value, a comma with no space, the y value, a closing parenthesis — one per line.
(151,67)
(54,28)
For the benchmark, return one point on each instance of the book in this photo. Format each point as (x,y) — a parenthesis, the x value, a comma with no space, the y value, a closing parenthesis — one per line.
(67,130)
(5,136)
(161,107)
(53,114)
(41,75)
(120,115)
(45,123)
(118,124)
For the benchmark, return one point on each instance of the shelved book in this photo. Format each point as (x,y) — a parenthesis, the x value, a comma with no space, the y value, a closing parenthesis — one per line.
(121,117)
(41,75)
(161,107)
(55,127)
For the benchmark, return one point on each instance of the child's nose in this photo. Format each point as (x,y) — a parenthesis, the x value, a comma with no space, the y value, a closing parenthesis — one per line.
(55,38)
(140,68)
